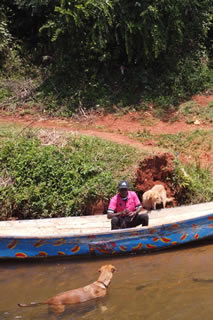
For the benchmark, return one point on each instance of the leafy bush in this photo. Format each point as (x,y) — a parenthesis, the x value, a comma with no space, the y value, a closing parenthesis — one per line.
(49,181)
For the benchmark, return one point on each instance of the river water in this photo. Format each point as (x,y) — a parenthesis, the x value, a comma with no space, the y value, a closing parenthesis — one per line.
(169,285)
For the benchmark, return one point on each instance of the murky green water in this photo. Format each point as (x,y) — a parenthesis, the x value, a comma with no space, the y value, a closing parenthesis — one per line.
(170,285)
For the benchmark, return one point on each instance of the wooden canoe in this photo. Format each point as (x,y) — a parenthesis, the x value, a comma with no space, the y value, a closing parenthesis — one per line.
(92,235)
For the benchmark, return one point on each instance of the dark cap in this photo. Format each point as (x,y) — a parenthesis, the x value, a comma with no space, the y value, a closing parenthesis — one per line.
(123,185)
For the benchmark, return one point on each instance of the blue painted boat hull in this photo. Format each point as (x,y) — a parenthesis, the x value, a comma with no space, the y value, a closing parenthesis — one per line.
(110,243)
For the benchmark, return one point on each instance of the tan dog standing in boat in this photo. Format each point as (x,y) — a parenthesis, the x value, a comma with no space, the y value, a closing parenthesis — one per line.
(154,196)
(94,290)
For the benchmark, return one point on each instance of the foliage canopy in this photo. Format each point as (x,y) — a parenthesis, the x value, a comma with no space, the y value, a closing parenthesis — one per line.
(104,52)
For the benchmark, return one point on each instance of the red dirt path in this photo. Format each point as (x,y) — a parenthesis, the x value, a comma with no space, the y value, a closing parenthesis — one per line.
(110,127)
(115,128)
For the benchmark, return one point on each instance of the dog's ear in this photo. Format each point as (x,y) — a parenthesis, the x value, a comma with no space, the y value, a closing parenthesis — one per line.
(113,269)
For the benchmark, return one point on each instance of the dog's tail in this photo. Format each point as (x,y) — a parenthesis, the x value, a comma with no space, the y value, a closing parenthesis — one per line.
(170,199)
(31,304)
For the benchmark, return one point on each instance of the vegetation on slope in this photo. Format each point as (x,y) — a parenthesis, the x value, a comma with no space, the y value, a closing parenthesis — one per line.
(39,180)
(51,176)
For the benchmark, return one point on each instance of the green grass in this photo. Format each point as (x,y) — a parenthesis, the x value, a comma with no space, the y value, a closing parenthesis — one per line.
(188,143)
(4,93)
(10,131)
(193,111)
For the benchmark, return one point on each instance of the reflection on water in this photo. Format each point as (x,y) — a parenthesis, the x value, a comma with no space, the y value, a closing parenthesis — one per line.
(168,285)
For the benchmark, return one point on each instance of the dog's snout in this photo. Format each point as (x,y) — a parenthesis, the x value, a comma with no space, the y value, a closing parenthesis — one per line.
(109,267)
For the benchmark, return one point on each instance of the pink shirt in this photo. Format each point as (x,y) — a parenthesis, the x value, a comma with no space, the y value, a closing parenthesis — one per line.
(118,204)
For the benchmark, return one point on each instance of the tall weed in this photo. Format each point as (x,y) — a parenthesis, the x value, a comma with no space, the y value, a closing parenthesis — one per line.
(196,183)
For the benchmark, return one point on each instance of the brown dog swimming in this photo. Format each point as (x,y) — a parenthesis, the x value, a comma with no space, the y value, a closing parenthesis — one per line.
(94,290)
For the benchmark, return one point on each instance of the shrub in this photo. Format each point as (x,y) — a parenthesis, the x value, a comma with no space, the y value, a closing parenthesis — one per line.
(195,183)
(51,181)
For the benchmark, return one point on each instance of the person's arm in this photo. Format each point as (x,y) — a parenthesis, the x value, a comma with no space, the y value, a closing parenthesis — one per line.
(111,213)
(112,207)
(138,207)
(136,211)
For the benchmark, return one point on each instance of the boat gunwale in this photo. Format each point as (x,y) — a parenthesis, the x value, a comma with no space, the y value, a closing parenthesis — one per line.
(106,233)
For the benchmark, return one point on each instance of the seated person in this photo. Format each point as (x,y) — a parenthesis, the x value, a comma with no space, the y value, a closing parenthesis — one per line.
(124,208)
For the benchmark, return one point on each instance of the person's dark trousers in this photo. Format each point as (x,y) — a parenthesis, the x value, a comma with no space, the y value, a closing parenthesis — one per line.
(125,222)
